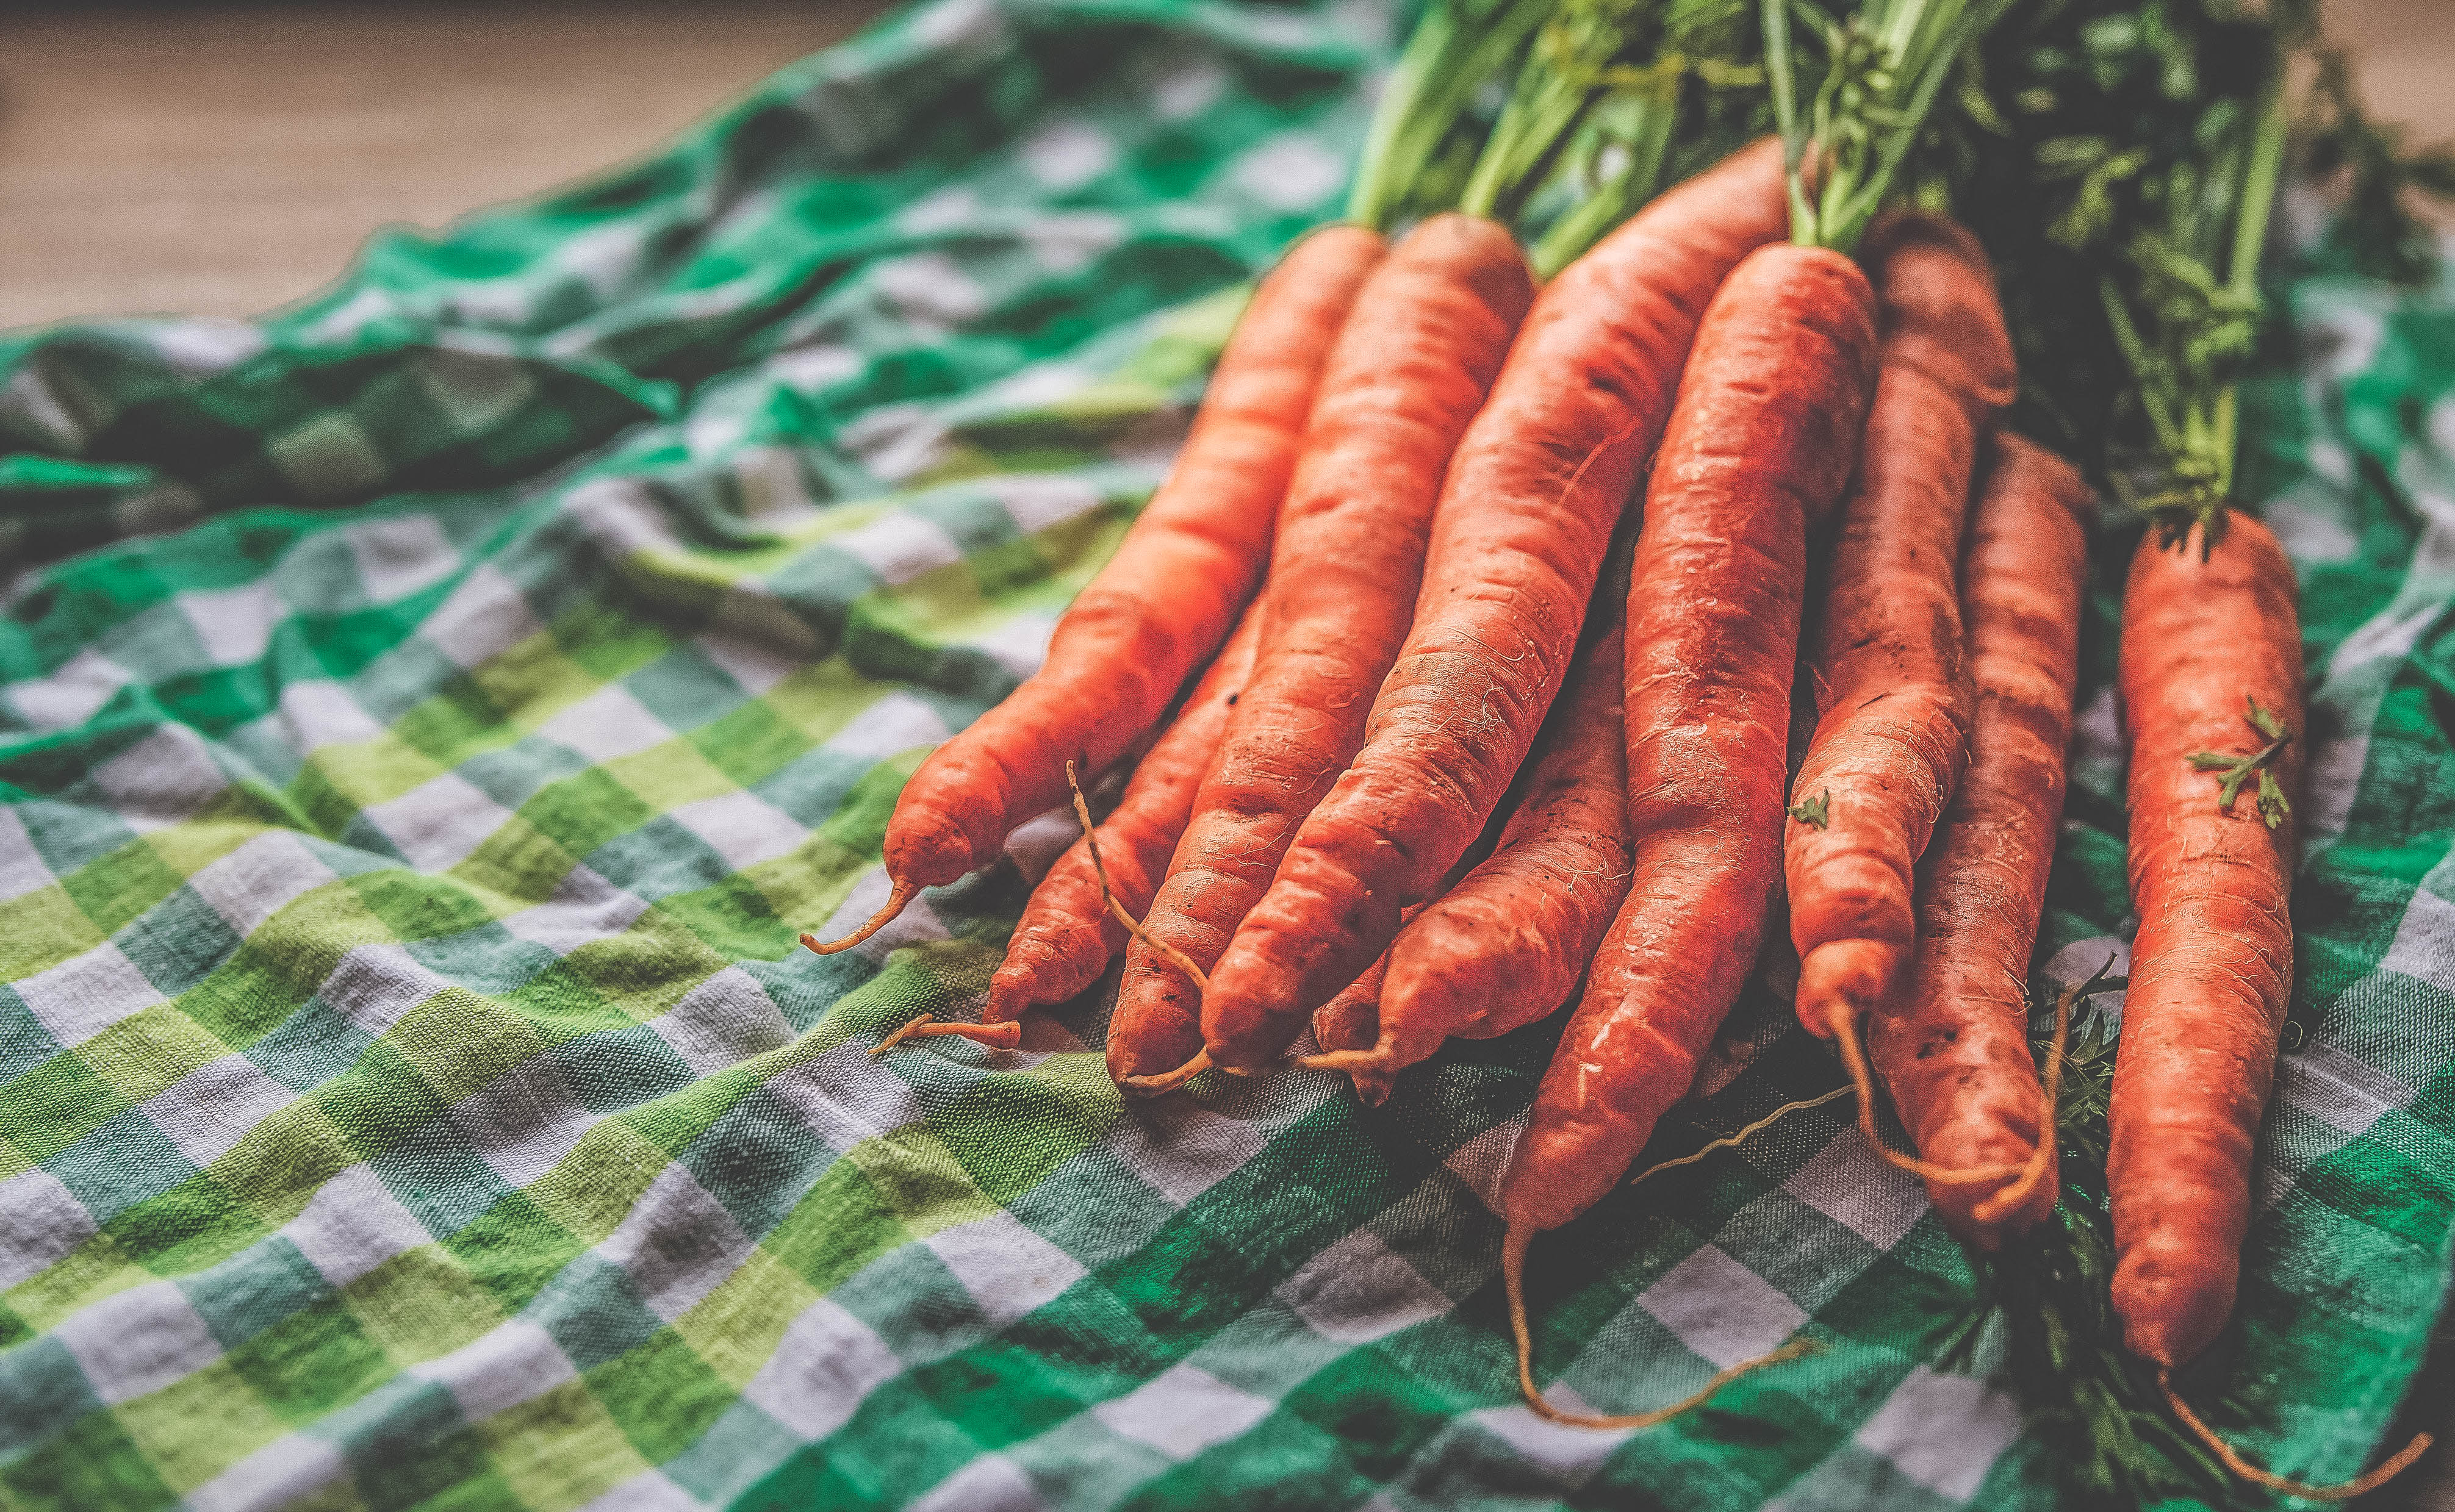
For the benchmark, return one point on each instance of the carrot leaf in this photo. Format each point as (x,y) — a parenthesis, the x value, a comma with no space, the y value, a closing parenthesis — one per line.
(1817,811)
(2240,770)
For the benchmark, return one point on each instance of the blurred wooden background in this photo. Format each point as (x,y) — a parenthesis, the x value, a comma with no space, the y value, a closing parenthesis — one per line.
(227,159)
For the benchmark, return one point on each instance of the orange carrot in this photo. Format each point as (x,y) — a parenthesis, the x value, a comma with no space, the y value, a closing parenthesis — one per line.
(1508,945)
(1067,936)
(1759,446)
(2211,686)
(1891,680)
(1955,1052)
(1407,373)
(1160,606)
(1538,484)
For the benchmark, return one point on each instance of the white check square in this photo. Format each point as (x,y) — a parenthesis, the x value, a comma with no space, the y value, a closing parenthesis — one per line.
(41,1220)
(742,827)
(606,724)
(827,1361)
(211,1108)
(524,1121)
(584,907)
(891,725)
(1847,1183)
(286,1470)
(677,1242)
(482,618)
(139,1341)
(1009,1269)
(1720,1309)
(70,695)
(440,822)
(161,780)
(517,1361)
(258,879)
(376,984)
(401,556)
(1942,1431)
(21,866)
(79,999)
(899,548)
(1359,1289)
(321,713)
(352,1225)
(1182,1411)
(724,1019)
(234,626)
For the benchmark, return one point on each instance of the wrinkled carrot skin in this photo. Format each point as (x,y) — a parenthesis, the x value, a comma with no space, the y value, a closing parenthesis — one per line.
(1892,678)
(1351,1020)
(1066,935)
(1954,1053)
(1537,486)
(1167,598)
(1759,447)
(1408,371)
(1507,944)
(2212,965)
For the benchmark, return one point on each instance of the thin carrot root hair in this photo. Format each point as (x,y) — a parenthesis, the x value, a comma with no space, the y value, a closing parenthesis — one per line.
(2232,1460)
(997,1037)
(1163,1081)
(895,902)
(1732,1142)
(2008,1201)
(1376,1058)
(1513,1275)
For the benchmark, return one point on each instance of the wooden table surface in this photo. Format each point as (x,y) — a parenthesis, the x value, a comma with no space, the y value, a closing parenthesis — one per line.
(227,159)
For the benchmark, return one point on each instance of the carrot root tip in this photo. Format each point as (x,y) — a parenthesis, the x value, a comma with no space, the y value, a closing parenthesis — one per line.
(1366,1061)
(2232,1458)
(902,1032)
(1159,1083)
(895,902)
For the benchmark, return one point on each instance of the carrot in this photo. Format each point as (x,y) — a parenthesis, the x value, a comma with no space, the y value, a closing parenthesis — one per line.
(1892,682)
(2211,665)
(2212,847)
(1538,484)
(1160,606)
(1407,373)
(1759,446)
(1507,945)
(1954,1051)
(1066,935)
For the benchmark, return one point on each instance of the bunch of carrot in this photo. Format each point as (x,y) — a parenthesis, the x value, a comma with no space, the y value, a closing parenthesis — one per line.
(1400,771)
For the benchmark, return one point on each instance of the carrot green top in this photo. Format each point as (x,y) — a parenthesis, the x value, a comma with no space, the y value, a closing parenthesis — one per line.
(1600,104)
(1882,68)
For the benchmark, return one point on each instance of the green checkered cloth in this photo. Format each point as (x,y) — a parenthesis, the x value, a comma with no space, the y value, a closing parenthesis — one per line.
(428,715)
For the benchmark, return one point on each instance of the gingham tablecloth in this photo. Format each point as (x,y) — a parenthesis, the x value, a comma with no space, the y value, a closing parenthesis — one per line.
(427,716)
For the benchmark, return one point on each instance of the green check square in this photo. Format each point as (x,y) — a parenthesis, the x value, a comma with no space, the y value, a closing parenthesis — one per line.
(314,1360)
(93,1465)
(199,1424)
